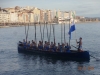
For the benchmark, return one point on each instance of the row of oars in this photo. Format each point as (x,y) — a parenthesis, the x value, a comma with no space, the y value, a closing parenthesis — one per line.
(42,33)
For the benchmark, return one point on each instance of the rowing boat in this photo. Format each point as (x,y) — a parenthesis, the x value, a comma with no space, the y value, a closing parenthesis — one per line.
(72,55)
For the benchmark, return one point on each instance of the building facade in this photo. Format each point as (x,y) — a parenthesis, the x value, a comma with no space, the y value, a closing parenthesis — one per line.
(13,17)
(4,17)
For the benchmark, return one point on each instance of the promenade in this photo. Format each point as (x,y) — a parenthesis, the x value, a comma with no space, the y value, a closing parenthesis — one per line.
(32,24)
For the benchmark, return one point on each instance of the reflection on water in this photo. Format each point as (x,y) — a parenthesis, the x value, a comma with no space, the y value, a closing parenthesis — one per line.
(14,63)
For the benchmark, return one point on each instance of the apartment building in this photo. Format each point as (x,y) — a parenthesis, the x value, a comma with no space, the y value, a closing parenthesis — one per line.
(49,15)
(66,15)
(36,14)
(13,17)
(4,16)
(42,16)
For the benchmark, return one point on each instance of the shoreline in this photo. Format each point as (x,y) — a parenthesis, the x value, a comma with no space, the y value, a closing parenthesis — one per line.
(1,26)
(87,22)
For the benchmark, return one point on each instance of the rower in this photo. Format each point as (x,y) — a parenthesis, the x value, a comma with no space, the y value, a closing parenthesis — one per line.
(34,45)
(40,45)
(54,47)
(24,43)
(67,48)
(58,47)
(51,46)
(28,44)
(62,47)
(31,45)
(80,44)
(32,41)
(45,44)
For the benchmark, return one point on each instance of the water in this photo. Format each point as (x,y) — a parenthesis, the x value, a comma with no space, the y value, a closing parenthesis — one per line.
(14,63)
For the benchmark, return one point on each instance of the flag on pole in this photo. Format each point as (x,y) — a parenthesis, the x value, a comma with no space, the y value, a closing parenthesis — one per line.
(72,28)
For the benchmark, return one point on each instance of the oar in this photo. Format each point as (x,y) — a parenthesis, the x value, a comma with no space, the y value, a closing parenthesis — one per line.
(74,47)
(95,58)
(90,55)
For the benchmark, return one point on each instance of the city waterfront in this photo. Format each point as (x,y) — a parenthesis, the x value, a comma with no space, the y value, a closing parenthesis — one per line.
(24,15)
(14,63)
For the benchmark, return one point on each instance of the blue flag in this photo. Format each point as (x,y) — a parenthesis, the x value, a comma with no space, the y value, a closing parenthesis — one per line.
(72,28)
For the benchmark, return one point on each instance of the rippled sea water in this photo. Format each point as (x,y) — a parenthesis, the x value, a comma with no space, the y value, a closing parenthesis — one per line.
(14,63)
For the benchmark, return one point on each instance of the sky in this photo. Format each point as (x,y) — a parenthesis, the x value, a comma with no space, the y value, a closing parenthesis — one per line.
(86,8)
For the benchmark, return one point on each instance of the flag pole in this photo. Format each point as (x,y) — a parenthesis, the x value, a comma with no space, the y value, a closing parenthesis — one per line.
(69,29)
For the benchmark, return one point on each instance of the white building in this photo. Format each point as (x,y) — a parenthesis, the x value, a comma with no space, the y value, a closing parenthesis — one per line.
(7,17)
(13,17)
(4,17)
(66,15)
(72,16)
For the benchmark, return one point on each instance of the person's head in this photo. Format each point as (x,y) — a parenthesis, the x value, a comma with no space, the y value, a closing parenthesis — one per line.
(39,41)
(58,43)
(51,42)
(32,41)
(45,42)
(80,38)
(29,42)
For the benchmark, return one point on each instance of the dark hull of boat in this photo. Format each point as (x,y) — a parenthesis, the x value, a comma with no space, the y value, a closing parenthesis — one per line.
(73,55)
